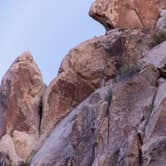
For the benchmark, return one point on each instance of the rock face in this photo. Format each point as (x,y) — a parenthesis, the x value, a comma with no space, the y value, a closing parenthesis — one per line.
(76,133)
(103,130)
(20,96)
(107,105)
(161,23)
(127,13)
(89,66)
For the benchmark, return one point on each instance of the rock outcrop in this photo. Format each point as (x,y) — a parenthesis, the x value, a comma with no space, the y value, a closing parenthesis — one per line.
(161,23)
(127,13)
(107,105)
(99,128)
(20,99)
(89,66)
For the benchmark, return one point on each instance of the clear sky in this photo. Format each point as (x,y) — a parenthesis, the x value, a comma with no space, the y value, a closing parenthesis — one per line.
(46,28)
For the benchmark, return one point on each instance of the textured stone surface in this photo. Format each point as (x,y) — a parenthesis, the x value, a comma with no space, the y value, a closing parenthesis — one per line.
(154,152)
(89,66)
(161,23)
(157,56)
(72,142)
(127,13)
(20,96)
(70,123)
(154,141)
(102,130)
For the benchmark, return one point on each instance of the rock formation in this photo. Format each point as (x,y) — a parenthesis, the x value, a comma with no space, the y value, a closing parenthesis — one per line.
(127,13)
(87,67)
(106,107)
(20,99)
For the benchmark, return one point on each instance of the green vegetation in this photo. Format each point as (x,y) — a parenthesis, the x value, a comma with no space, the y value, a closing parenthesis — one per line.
(159,38)
(151,108)
(24,164)
(127,70)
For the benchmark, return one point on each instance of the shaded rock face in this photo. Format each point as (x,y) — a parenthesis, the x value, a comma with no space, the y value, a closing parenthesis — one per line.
(161,23)
(77,130)
(20,96)
(4,159)
(127,13)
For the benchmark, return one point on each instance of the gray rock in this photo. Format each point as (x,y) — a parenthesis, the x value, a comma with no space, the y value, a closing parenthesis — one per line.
(73,139)
(157,56)
(161,23)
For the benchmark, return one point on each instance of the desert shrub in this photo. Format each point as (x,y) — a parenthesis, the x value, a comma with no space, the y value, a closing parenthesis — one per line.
(24,164)
(127,70)
(159,38)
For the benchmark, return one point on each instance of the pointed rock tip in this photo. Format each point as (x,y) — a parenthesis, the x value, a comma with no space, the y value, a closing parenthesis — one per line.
(25,56)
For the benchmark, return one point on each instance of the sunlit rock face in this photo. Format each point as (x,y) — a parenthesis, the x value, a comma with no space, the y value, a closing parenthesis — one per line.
(127,13)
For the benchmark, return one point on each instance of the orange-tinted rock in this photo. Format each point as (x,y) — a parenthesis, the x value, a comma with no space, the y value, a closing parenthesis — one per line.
(127,13)
(20,97)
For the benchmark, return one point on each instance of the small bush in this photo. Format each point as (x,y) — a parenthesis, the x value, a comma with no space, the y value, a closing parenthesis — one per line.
(159,38)
(127,70)
(24,164)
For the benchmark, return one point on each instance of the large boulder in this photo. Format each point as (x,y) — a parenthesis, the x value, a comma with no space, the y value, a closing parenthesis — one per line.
(89,66)
(20,99)
(127,13)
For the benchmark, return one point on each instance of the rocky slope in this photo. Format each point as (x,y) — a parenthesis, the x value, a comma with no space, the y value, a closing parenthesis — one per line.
(106,107)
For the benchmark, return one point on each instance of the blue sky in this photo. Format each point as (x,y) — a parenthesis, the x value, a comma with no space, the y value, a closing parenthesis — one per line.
(46,28)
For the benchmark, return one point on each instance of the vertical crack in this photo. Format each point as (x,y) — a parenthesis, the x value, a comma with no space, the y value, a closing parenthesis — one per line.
(40,115)
(139,17)
(141,132)
(140,143)
(137,14)
(108,135)
(108,114)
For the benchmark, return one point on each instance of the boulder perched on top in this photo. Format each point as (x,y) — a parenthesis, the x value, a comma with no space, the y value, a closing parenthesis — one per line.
(127,13)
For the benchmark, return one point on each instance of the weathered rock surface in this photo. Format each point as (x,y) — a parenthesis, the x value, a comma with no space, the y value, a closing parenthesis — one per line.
(154,148)
(20,97)
(127,13)
(89,66)
(157,57)
(76,133)
(161,23)
(154,152)
(106,107)
(102,131)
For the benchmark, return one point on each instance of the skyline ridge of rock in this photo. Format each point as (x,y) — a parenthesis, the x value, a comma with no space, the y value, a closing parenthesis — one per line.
(106,107)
